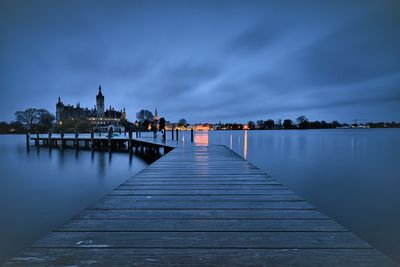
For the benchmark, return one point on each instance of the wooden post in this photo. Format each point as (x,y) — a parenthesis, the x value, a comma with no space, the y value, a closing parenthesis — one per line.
(91,138)
(172,134)
(76,138)
(191,135)
(130,140)
(109,138)
(49,138)
(62,139)
(120,131)
(27,138)
(177,135)
(37,139)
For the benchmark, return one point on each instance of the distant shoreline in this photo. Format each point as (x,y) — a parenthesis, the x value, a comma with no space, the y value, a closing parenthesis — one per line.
(199,131)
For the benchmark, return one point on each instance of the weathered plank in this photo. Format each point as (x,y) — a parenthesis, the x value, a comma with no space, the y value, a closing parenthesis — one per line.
(202,214)
(214,225)
(244,240)
(198,192)
(120,199)
(203,205)
(201,187)
(201,257)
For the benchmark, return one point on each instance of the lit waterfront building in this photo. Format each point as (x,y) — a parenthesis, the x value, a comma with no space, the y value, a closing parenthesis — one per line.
(101,118)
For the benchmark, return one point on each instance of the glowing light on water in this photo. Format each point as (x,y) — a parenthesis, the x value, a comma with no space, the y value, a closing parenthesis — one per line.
(201,138)
(245,145)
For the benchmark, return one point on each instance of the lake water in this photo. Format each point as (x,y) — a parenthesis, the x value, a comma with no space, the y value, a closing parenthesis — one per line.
(41,189)
(352,175)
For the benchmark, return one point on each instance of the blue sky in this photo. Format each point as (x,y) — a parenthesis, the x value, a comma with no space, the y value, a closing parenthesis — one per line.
(206,61)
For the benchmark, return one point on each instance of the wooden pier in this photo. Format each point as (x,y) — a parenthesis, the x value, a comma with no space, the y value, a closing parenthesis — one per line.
(201,206)
(101,142)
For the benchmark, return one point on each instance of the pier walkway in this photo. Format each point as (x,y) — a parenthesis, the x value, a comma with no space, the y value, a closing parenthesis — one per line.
(201,206)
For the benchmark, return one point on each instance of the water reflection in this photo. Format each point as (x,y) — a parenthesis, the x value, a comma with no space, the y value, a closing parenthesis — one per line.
(201,138)
(245,145)
(40,190)
(109,157)
(101,163)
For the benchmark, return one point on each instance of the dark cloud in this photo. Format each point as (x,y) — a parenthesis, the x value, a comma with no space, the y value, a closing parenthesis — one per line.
(206,61)
(255,38)
(358,51)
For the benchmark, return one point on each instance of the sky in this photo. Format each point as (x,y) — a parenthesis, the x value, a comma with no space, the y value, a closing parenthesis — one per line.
(206,61)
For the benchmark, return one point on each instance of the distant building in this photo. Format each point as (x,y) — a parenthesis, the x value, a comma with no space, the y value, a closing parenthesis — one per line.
(170,126)
(70,112)
(100,104)
(155,122)
(98,116)
(155,115)
(203,127)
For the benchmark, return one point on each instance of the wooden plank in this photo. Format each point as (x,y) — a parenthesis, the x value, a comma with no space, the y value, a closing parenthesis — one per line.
(214,225)
(202,205)
(197,192)
(202,214)
(198,181)
(188,180)
(202,187)
(201,257)
(179,240)
(119,199)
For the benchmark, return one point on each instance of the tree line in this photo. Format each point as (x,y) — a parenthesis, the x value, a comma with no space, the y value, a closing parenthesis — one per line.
(41,120)
(303,123)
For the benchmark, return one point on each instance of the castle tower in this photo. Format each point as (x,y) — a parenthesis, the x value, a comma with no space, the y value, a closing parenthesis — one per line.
(59,110)
(155,115)
(100,104)
(124,114)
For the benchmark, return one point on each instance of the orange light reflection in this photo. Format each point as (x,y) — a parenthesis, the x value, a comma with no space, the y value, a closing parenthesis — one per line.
(201,138)
(245,145)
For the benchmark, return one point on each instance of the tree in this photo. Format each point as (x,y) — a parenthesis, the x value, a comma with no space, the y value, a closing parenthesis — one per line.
(182,123)
(35,119)
(269,124)
(161,124)
(335,124)
(251,125)
(302,122)
(28,117)
(16,127)
(144,115)
(279,124)
(287,124)
(145,118)
(45,118)
(261,124)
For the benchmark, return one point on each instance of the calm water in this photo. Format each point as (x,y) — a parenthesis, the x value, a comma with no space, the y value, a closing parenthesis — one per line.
(42,189)
(352,175)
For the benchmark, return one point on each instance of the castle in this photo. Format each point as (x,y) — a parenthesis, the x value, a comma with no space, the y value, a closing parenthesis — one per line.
(98,115)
